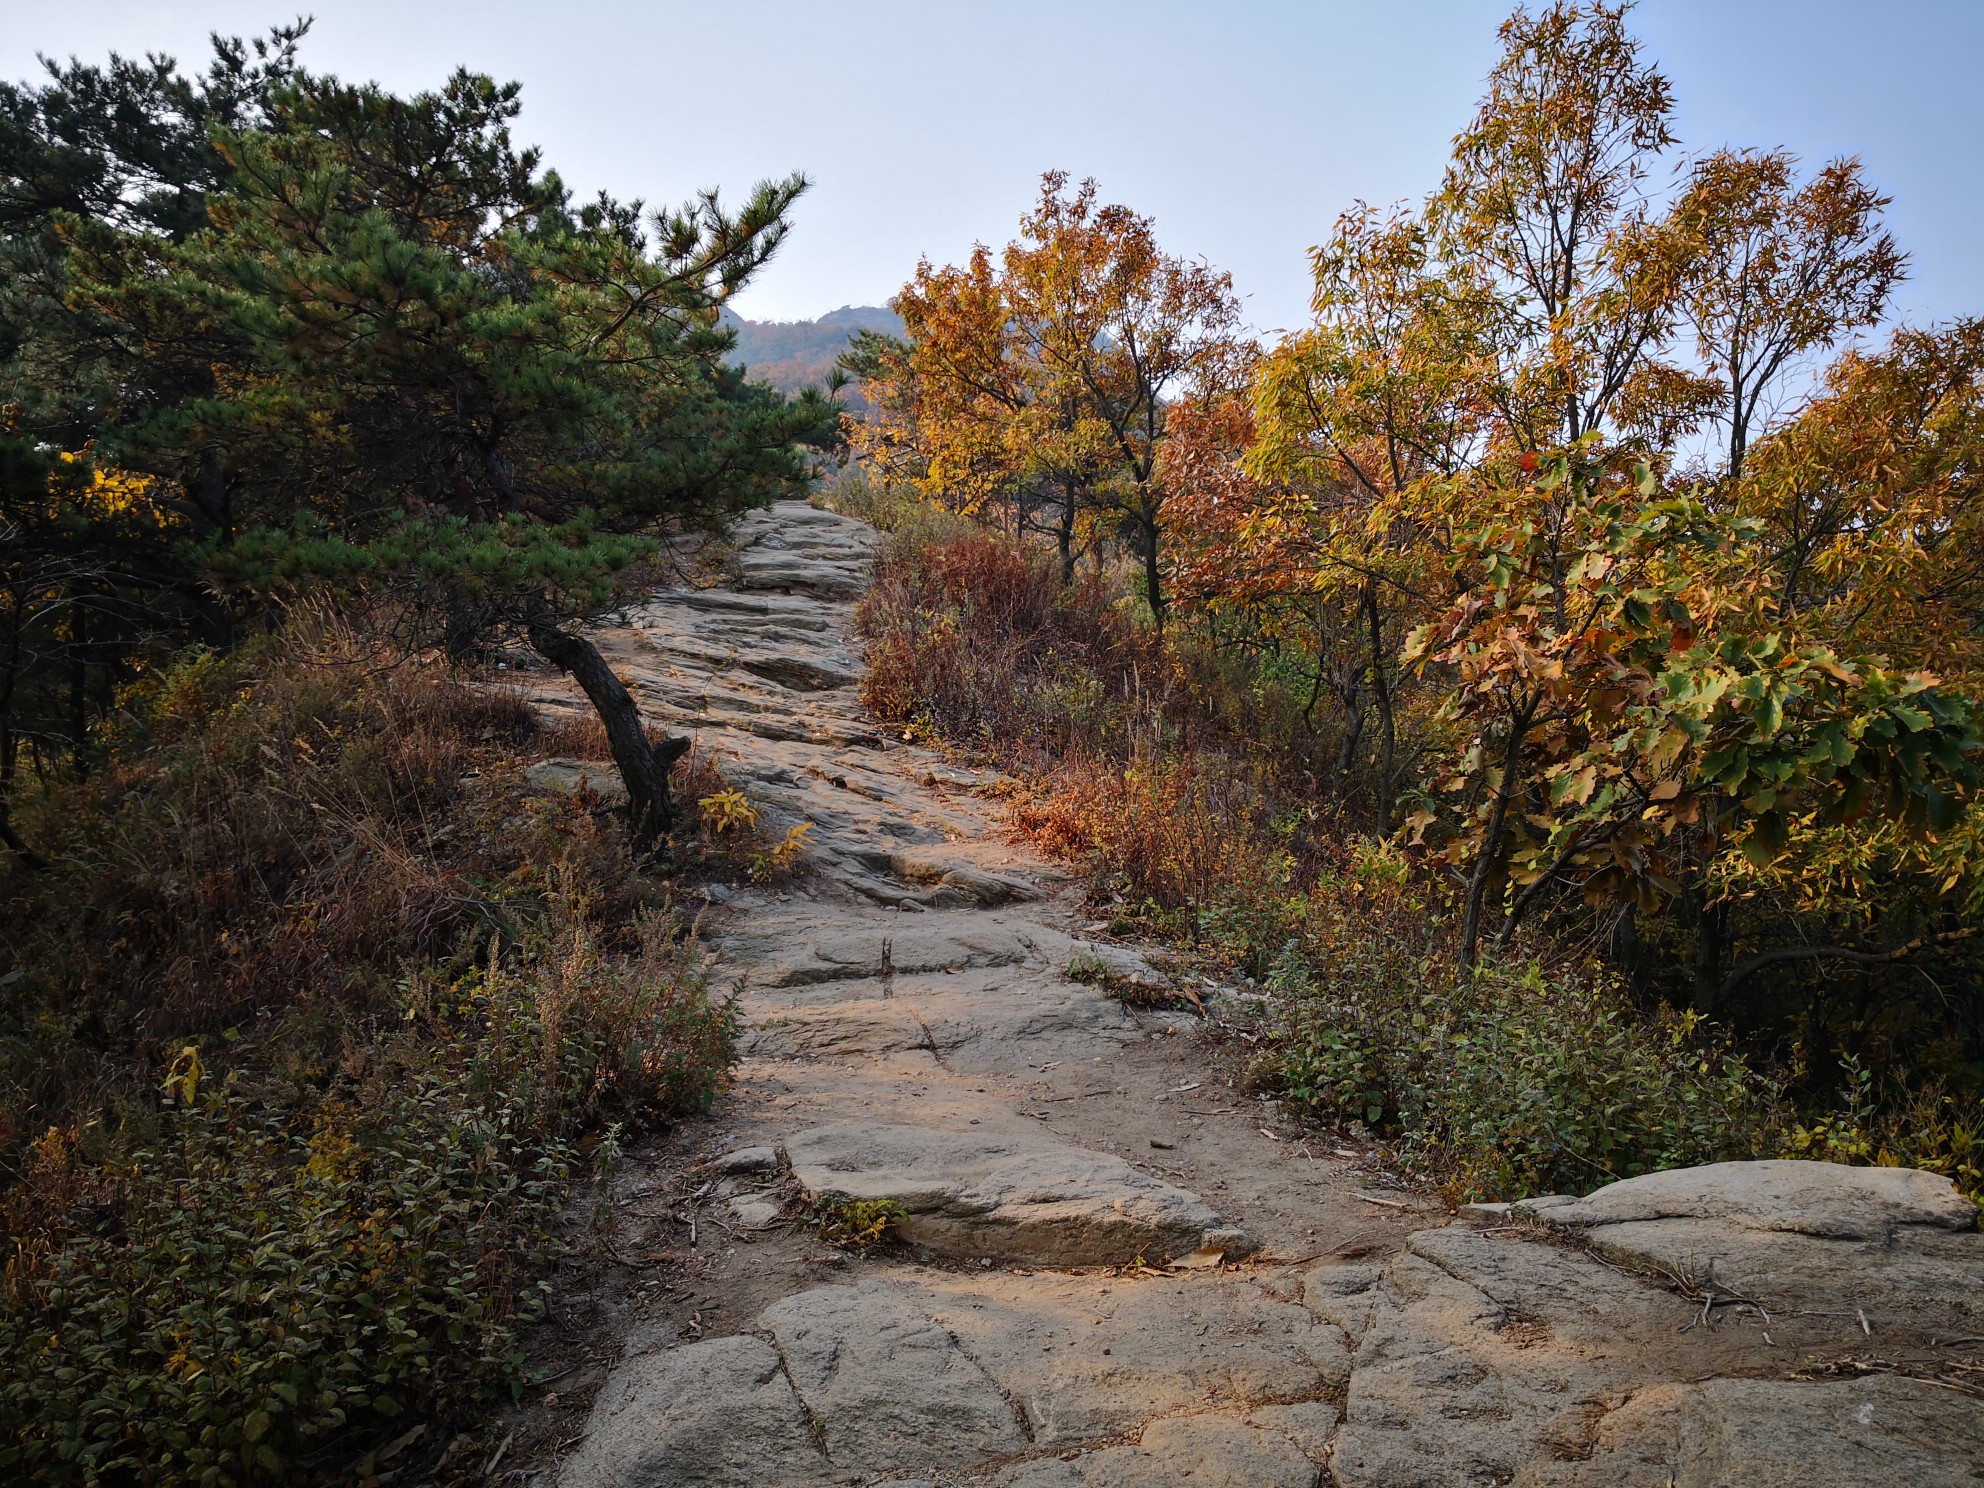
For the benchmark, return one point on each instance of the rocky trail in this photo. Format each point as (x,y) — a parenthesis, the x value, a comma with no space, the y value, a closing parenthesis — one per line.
(1115,1270)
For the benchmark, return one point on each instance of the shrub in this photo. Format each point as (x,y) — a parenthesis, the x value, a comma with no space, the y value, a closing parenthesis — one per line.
(1185,778)
(979,642)
(855,1224)
(392,998)
(851,491)
(1920,1127)
(246,1281)
(1181,840)
(1510,1081)
(583,1038)
(259,1287)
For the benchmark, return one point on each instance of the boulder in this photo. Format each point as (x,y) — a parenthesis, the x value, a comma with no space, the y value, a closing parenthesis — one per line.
(1832,1253)
(1829,1200)
(1017,1197)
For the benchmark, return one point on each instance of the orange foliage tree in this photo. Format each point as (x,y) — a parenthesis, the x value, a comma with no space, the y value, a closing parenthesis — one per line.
(1044,382)
(1425,491)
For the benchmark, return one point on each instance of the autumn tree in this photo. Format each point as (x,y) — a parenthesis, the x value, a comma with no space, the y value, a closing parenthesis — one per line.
(1772,272)
(1046,379)
(968,414)
(1544,222)
(1354,417)
(1872,498)
(1633,715)
(1121,329)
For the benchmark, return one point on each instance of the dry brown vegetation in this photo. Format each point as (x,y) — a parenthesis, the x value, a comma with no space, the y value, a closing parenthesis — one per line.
(1185,778)
(313,1020)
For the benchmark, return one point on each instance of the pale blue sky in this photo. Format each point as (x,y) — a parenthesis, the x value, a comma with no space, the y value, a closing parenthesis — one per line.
(1244,128)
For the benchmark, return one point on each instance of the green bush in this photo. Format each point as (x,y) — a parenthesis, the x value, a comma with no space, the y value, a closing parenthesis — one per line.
(1508,1081)
(250,1294)
(255,1276)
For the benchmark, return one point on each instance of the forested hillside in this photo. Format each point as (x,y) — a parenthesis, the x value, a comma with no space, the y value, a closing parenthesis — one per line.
(793,355)
(1544,694)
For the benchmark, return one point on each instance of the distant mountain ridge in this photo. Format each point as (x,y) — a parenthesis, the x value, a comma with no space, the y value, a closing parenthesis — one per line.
(795,354)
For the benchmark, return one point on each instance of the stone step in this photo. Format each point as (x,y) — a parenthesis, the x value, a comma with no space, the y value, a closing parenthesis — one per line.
(1011,1198)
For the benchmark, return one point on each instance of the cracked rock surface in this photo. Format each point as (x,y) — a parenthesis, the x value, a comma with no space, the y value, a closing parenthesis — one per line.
(912,1034)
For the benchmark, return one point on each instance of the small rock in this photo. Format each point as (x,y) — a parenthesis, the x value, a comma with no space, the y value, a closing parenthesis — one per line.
(1162,1144)
(754,1214)
(746,1160)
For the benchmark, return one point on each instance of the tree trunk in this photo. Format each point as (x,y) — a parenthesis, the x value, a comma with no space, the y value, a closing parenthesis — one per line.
(1065,533)
(1491,847)
(1381,694)
(1624,947)
(79,717)
(1353,734)
(1711,936)
(11,674)
(1153,581)
(643,767)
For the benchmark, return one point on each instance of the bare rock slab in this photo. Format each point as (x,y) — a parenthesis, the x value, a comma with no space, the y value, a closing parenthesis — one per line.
(1011,1198)
(1093,1357)
(803,951)
(1810,1241)
(887,1388)
(1197,1451)
(1481,1355)
(1309,1424)
(1782,1434)
(790,571)
(719,1414)
(1829,1200)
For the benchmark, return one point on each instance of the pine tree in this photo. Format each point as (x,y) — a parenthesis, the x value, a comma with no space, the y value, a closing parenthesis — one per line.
(429,373)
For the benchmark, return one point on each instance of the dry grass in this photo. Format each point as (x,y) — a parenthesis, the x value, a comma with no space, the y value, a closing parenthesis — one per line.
(973,640)
(408,984)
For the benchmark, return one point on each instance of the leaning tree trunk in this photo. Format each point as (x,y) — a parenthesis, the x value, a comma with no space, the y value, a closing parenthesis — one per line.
(643,766)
